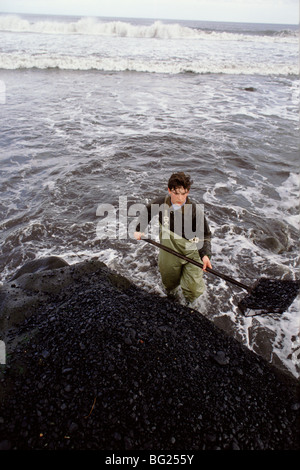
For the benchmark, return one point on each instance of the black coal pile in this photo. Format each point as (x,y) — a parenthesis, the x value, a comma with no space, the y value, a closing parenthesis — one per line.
(103,365)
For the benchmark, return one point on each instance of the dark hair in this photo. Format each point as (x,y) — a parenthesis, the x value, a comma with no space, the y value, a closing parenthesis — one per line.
(180,179)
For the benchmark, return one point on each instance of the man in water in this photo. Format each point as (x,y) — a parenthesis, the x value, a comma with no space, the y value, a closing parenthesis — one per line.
(180,220)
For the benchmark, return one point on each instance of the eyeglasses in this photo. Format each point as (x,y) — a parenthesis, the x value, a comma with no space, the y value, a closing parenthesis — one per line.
(181,193)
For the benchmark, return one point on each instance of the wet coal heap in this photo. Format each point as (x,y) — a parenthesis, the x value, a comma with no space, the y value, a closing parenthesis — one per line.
(104,365)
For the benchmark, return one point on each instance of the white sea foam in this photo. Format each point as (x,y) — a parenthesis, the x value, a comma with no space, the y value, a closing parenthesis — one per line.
(119,64)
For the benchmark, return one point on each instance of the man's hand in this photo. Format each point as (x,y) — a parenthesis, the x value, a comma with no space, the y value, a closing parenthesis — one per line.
(206,263)
(138,235)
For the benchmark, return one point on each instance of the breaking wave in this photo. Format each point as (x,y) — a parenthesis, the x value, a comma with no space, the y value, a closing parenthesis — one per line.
(160,30)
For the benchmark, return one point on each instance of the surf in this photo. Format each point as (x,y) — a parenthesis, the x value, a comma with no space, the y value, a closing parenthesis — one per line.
(14,61)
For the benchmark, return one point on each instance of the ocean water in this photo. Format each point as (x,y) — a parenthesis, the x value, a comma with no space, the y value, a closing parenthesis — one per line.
(101,111)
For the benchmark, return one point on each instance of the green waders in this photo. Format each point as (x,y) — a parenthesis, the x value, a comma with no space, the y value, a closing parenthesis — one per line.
(176,271)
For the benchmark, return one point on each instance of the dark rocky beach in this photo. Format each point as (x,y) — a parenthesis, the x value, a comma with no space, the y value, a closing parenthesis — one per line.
(95,363)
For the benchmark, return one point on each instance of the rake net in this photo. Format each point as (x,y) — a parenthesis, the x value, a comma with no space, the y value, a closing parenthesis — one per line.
(269,296)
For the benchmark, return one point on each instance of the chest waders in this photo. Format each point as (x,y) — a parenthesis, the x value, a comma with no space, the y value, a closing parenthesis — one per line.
(175,271)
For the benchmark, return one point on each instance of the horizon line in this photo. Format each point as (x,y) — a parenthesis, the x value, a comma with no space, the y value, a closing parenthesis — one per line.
(144,18)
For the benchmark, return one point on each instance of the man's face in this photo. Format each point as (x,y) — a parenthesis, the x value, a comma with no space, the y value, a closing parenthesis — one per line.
(178,195)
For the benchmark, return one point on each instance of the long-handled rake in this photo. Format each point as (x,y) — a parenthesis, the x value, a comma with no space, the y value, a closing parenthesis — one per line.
(265,296)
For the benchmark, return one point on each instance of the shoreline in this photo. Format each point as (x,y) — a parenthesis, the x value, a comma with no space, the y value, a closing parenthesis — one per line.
(99,364)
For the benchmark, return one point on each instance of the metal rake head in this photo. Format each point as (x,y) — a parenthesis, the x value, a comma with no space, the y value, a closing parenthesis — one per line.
(269,296)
